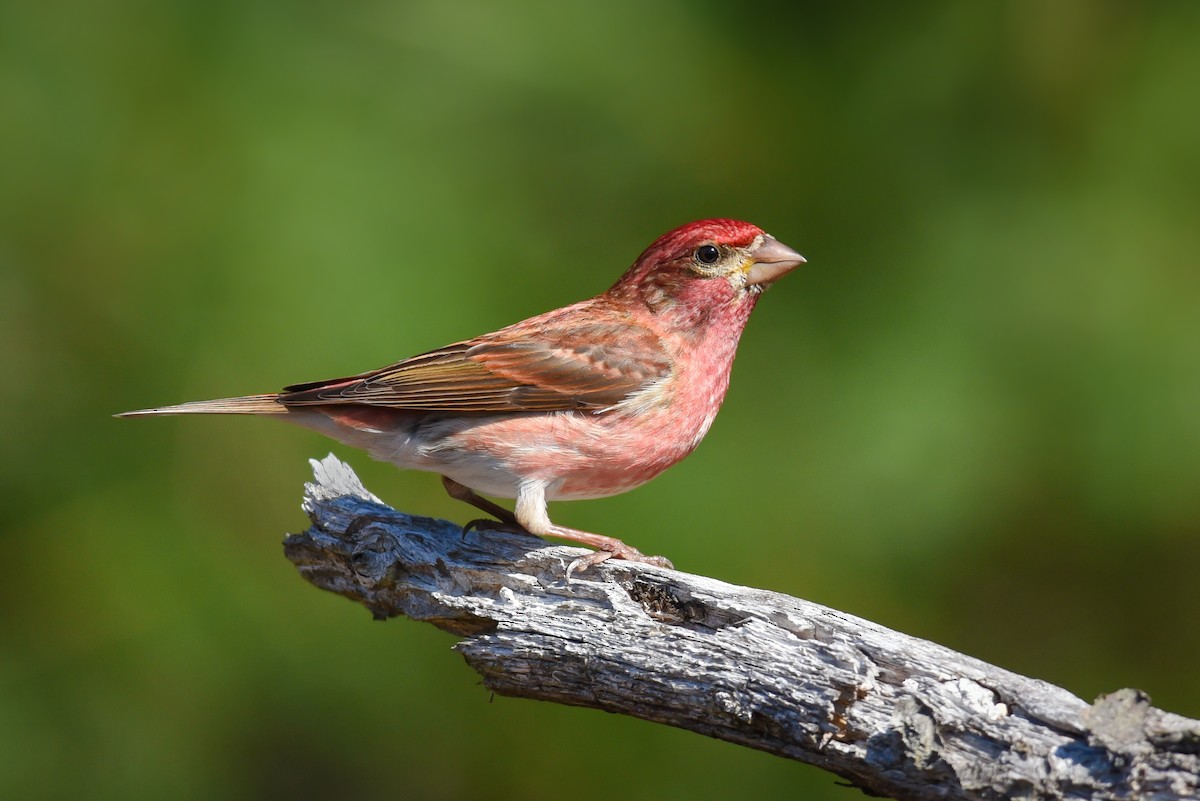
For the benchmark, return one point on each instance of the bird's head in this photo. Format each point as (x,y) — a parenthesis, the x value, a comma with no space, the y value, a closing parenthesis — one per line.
(706,265)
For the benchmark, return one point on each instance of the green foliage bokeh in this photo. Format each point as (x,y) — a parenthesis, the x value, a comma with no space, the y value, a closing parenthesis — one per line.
(972,416)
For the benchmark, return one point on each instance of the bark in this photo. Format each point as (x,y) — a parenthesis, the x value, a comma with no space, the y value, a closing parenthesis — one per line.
(892,714)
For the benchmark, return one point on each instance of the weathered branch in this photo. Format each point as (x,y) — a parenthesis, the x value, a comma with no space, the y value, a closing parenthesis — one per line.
(893,714)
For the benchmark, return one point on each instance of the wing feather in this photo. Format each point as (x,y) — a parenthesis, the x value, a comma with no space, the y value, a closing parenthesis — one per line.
(517,369)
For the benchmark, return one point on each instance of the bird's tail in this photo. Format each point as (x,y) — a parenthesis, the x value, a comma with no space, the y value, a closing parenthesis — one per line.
(248,404)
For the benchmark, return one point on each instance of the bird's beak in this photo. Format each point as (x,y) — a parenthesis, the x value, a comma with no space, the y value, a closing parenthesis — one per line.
(770,261)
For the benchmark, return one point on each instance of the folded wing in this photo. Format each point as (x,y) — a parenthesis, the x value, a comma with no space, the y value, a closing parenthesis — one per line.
(549,369)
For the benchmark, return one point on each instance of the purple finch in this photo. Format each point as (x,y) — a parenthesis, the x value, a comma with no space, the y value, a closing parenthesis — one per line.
(586,401)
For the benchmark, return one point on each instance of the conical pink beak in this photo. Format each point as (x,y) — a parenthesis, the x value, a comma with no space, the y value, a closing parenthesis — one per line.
(770,261)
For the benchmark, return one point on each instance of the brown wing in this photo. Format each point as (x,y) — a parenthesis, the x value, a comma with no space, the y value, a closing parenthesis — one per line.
(549,369)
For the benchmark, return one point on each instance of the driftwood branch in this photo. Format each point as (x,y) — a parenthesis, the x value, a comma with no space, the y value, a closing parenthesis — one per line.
(894,715)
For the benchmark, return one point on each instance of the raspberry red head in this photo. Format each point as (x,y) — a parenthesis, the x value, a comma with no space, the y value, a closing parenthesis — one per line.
(680,267)
(682,245)
(721,231)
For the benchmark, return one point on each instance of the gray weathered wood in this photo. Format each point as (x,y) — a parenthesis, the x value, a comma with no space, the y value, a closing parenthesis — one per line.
(895,715)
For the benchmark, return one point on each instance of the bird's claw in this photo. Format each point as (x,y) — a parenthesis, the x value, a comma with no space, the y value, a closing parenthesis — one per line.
(611,549)
(629,554)
(493,525)
(591,560)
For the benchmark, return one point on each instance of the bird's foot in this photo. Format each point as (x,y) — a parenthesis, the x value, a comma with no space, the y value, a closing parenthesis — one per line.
(615,550)
(606,547)
(493,525)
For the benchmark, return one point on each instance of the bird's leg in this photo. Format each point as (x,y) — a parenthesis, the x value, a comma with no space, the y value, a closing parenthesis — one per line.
(531,514)
(461,492)
(531,517)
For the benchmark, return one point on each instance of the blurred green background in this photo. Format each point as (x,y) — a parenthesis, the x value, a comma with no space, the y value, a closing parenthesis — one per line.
(973,416)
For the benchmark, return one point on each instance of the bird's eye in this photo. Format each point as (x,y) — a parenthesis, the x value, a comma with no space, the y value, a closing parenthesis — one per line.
(707,254)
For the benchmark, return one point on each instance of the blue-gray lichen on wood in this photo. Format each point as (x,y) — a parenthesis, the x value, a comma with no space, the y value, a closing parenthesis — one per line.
(895,715)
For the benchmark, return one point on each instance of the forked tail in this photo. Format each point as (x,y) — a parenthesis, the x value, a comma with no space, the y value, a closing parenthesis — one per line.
(248,404)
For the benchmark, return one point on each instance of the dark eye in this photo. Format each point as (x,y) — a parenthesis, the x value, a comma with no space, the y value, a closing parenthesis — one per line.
(707,254)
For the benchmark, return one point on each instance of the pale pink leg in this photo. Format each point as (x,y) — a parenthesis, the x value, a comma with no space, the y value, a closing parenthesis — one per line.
(531,513)
(531,517)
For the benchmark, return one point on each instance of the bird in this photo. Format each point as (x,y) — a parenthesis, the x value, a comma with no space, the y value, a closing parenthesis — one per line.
(586,401)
